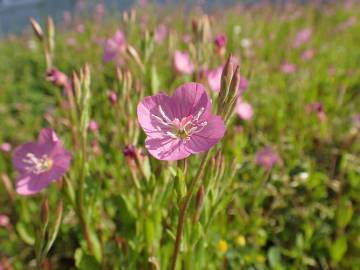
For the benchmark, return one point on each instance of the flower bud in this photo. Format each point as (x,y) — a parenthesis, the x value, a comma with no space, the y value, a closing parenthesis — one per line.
(199,203)
(51,34)
(56,77)
(44,213)
(37,29)
(134,55)
(226,77)
(76,86)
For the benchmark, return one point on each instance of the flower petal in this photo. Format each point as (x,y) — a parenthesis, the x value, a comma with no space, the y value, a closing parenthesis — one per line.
(166,148)
(20,155)
(148,112)
(30,184)
(188,99)
(208,137)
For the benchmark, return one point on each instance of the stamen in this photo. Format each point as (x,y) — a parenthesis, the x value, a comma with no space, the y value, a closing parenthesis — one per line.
(164,115)
(199,114)
(37,165)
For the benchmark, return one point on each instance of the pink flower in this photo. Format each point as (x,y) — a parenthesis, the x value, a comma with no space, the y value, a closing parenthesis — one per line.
(67,18)
(80,28)
(40,163)
(318,109)
(220,41)
(182,63)
(302,37)
(308,54)
(161,33)
(114,46)
(57,77)
(347,24)
(93,126)
(288,68)
(244,109)
(214,80)
(179,125)
(5,147)
(267,158)
(112,97)
(4,221)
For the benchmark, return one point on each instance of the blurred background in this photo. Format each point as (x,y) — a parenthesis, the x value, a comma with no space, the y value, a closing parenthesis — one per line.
(14,14)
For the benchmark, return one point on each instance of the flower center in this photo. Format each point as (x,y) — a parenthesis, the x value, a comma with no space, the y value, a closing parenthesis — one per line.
(180,129)
(37,165)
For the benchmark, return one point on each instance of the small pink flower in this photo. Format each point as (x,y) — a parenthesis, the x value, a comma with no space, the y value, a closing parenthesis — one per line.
(4,221)
(318,109)
(220,41)
(182,63)
(80,28)
(57,77)
(67,18)
(302,37)
(214,80)
(143,2)
(114,46)
(129,151)
(93,126)
(5,147)
(40,163)
(347,24)
(267,158)
(244,109)
(99,11)
(308,54)
(288,68)
(112,97)
(161,33)
(179,125)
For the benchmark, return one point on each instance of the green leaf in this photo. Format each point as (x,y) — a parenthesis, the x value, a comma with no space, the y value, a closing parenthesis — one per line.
(84,261)
(274,257)
(25,234)
(338,249)
(344,213)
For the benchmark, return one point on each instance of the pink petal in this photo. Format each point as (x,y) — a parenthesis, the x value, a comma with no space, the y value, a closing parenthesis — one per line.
(188,99)
(20,154)
(166,148)
(208,137)
(149,107)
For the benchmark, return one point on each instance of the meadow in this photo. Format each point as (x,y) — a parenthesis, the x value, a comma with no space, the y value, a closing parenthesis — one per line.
(169,137)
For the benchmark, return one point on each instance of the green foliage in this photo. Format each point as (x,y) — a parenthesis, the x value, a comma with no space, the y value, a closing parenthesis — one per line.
(302,214)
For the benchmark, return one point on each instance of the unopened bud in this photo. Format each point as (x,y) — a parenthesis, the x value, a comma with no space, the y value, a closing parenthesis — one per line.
(76,86)
(119,74)
(234,86)
(51,34)
(134,55)
(199,203)
(44,214)
(226,77)
(37,29)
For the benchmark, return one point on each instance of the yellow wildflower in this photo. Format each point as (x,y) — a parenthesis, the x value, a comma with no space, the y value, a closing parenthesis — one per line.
(241,240)
(222,246)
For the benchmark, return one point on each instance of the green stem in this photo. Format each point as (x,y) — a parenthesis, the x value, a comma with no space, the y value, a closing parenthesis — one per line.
(80,208)
(183,210)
